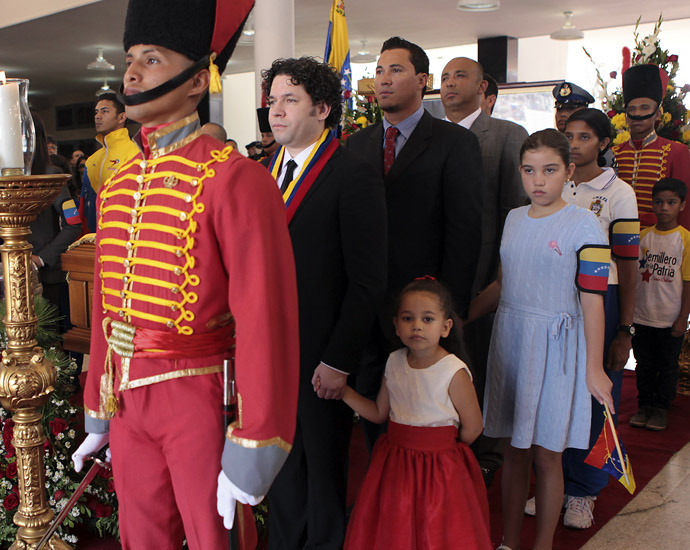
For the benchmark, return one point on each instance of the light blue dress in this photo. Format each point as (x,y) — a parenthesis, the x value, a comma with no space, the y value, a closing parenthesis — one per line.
(536,391)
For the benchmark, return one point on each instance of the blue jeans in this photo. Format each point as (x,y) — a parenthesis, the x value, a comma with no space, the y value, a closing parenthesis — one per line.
(581,479)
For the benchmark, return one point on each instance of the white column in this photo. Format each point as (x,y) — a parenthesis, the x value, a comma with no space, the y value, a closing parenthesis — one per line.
(274,35)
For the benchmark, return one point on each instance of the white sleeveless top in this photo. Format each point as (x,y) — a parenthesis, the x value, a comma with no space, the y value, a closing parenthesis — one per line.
(419,397)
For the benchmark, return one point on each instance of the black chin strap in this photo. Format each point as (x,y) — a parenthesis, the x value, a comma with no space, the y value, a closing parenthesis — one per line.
(264,147)
(169,86)
(640,117)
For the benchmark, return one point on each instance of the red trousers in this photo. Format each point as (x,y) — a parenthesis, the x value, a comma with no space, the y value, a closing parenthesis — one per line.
(166,442)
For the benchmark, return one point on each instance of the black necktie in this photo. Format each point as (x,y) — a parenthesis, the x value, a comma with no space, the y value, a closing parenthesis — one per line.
(287,178)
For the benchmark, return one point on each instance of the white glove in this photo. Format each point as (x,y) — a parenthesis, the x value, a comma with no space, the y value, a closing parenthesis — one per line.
(92,444)
(228,495)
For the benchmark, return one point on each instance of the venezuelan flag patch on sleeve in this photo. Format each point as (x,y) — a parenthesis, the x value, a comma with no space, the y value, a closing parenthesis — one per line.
(593,268)
(69,210)
(624,236)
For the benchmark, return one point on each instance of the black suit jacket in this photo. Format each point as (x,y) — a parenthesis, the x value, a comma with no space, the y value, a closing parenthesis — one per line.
(339,240)
(434,198)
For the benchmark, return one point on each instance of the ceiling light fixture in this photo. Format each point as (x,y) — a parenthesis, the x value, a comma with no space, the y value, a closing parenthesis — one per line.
(105,89)
(363,56)
(476,5)
(247,36)
(101,64)
(568,31)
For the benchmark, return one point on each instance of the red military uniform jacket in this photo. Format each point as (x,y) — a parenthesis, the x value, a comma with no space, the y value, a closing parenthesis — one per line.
(655,159)
(188,239)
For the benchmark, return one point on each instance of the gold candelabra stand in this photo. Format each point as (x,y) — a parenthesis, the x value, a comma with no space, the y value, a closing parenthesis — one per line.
(26,377)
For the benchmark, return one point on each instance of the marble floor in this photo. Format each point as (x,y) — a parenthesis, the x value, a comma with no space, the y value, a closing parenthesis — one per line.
(658,517)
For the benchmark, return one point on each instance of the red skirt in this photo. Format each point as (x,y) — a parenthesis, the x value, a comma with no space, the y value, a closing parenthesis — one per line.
(423,491)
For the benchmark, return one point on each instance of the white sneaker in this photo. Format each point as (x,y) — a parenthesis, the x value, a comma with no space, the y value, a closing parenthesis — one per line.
(578,512)
(531,505)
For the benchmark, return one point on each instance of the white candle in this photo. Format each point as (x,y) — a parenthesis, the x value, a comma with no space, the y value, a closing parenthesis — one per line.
(11,154)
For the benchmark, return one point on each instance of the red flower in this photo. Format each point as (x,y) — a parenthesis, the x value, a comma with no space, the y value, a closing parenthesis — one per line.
(347,94)
(11,501)
(111,486)
(2,472)
(613,74)
(15,490)
(9,450)
(626,59)
(370,98)
(106,473)
(612,113)
(672,58)
(104,511)
(91,502)
(677,122)
(11,471)
(57,426)
(59,494)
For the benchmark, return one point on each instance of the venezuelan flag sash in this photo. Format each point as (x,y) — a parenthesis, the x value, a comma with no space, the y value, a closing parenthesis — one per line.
(299,187)
(593,268)
(624,236)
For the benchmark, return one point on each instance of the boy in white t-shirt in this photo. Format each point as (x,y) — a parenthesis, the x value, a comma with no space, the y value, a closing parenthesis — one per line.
(662,305)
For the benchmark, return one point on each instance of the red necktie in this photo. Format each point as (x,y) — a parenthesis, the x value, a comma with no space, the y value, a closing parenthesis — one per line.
(389,148)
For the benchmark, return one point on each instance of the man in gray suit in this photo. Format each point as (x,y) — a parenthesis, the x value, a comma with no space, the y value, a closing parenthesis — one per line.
(462,89)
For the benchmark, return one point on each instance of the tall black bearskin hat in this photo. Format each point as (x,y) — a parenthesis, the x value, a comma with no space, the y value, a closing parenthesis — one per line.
(262,115)
(205,31)
(642,81)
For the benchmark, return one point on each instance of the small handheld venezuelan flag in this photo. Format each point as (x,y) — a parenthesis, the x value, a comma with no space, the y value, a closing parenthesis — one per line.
(593,268)
(608,454)
(624,236)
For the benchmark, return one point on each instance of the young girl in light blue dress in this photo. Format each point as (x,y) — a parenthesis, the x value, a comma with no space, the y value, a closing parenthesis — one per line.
(547,343)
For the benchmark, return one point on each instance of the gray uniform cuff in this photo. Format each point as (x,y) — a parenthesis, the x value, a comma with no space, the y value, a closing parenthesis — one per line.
(252,469)
(95,426)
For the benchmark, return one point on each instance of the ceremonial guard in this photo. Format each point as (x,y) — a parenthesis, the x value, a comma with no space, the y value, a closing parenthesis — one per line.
(192,248)
(646,158)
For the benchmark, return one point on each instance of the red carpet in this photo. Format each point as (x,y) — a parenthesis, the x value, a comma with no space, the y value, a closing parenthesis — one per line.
(648,451)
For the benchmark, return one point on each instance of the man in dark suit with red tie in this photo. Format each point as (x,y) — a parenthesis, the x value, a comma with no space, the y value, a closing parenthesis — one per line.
(336,214)
(433,176)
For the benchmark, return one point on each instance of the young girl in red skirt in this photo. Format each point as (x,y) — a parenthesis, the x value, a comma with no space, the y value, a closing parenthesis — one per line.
(423,489)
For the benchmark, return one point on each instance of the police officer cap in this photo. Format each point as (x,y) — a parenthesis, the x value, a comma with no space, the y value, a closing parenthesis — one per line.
(642,81)
(262,115)
(569,94)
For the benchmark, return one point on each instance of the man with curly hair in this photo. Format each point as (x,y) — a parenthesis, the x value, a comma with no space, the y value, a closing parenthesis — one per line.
(336,214)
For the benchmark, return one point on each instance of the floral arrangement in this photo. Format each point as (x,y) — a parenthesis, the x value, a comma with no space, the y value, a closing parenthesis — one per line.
(674,116)
(98,506)
(366,111)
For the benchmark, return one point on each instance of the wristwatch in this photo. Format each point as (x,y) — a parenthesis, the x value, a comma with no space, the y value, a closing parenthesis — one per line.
(627,329)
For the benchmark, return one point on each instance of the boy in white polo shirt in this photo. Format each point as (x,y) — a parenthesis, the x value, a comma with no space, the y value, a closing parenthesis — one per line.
(662,305)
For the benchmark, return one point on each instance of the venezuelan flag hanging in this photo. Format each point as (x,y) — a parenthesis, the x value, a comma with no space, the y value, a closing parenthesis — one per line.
(337,53)
(605,456)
